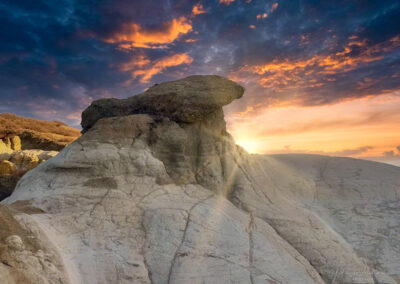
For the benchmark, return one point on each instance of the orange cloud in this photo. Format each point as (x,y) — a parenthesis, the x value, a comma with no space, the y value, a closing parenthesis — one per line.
(140,61)
(145,69)
(252,27)
(191,40)
(198,9)
(273,7)
(262,16)
(286,74)
(133,35)
(226,2)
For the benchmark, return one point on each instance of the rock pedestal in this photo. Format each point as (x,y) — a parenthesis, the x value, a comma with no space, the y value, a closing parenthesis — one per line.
(156,191)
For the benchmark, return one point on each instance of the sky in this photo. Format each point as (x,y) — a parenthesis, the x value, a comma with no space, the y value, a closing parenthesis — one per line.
(321,77)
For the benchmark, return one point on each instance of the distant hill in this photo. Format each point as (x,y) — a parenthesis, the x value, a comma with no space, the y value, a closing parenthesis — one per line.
(35,134)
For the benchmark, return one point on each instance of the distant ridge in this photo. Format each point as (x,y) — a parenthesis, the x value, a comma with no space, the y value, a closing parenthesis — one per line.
(36,134)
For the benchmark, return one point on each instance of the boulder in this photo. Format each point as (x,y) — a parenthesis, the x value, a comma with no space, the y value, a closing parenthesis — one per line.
(187,100)
(26,255)
(46,155)
(27,159)
(15,164)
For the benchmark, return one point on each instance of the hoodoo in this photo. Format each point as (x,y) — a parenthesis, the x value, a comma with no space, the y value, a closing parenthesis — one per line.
(156,191)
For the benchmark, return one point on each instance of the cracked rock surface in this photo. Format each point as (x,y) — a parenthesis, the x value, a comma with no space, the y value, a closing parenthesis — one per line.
(152,196)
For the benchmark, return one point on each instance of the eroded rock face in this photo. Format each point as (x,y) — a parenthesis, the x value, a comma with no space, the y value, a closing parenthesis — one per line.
(20,133)
(186,100)
(149,198)
(25,143)
(26,254)
(13,165)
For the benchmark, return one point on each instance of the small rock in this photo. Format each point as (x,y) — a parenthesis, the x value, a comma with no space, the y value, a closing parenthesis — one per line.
(26,158)
(45,155)
(15,242)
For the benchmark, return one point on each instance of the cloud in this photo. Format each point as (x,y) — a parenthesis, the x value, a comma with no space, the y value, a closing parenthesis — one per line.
(274,7)
(392,153)
(198,9)
(262,16)
(226,2)
(344,152)
(134,35)
(47,54)
(352,152)
(135,62)
(389,153)
(145,69)
(320,71)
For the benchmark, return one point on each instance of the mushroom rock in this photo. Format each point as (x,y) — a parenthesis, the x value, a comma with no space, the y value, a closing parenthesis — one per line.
(156,191)
(187,100)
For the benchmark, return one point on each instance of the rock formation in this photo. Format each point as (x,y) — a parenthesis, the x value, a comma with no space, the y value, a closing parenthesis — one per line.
(15,164)
(156,191)
(25,143)
(18,133)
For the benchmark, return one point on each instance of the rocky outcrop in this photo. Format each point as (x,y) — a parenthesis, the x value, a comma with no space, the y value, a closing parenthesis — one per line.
(149,195)
(26,255)
(20,133)
(9,144)
(25,143)
(15,164)
(187,100)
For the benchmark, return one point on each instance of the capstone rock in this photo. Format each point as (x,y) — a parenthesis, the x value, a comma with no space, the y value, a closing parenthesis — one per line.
(150,194)
(187,100)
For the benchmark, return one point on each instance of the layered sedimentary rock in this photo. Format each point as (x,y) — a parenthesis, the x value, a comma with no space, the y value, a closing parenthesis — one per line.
(13,165)
(20,133)
(156,191)
(25,143)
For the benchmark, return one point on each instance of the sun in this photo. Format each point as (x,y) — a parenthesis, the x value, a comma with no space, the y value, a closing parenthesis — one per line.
(251,146)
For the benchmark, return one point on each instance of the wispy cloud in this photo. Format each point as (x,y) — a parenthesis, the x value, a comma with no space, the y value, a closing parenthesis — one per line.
(316,71)
(274,7)
(134,35)
(226,2)
(198,9)
(145,69)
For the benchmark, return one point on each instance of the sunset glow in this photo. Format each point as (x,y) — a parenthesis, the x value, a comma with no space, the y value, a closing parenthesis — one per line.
(321,77)
(364,128)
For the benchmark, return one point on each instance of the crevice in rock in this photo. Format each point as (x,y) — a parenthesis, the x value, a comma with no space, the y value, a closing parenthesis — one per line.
(294,247)
(99,202)
(6,263)
(143,250)
(252,185)
(244,208)
(189,212)
(251,246)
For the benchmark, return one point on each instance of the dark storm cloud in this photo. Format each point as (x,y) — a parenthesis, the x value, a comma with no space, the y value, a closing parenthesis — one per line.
(55,57)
